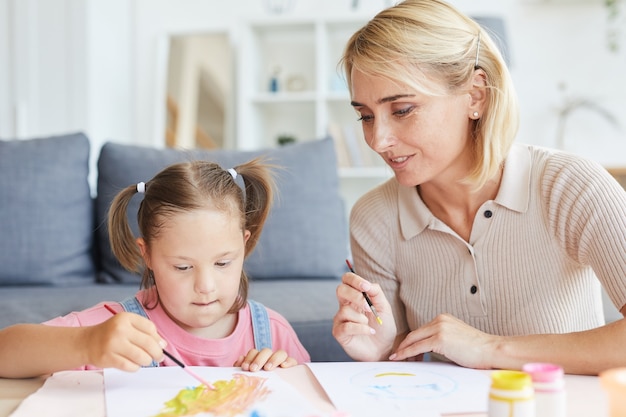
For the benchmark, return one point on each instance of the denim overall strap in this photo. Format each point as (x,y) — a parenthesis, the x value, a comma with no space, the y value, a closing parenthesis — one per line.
(132,305)
(260,325)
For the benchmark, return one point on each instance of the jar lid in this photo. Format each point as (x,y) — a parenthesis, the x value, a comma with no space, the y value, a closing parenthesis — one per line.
(510,380)
(543,372)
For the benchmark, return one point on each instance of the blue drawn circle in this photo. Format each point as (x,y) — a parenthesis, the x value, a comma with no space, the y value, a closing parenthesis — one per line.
(398,385)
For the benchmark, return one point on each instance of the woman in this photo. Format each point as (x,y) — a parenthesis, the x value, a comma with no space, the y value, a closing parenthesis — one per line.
(487,252)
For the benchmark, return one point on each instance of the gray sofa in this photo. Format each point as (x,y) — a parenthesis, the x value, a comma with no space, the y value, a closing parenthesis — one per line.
(55,256)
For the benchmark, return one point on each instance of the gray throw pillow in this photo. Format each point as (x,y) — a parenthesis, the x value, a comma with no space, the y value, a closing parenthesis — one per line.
(305,235)
(46,211)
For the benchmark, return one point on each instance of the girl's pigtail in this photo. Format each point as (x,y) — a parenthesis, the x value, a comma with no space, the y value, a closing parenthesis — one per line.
(121,236)
(260,187)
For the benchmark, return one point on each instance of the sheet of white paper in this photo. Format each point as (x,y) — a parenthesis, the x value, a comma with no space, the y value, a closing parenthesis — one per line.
(144,393)
(66,394)
(402,389)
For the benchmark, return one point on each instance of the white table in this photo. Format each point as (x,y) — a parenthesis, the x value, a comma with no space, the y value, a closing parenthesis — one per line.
(585,396)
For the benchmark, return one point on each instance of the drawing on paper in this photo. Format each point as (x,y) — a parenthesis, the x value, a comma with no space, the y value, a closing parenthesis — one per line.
(403,389)
(229,398)
(423,385)
(159,391)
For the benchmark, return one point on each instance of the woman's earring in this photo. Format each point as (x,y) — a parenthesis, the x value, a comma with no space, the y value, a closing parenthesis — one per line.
(475,114)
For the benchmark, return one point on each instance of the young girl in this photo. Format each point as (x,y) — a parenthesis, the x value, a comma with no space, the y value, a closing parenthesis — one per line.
(196,228)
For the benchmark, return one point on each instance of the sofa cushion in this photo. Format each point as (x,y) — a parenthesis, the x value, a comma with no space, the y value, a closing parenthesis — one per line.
(311,318)
(46,211)
(305,235)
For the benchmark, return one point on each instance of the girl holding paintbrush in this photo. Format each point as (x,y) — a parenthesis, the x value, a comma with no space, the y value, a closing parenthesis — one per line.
(196,228)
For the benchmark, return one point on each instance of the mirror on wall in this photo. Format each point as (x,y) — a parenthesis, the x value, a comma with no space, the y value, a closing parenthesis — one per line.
(200,91)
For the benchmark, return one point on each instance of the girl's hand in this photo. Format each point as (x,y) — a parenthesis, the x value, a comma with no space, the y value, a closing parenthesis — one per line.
(355,327)
(448,336)
(126,341)
(266,359)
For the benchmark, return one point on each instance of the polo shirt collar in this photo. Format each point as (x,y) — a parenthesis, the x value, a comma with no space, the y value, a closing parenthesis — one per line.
(514,194)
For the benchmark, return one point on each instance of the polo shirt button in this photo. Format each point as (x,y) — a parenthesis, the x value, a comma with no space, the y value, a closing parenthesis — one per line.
(474,289)
(488,213)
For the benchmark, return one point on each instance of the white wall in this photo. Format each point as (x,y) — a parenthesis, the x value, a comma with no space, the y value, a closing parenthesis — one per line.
(98,66)
(570,50)
(559,52)
(5,85)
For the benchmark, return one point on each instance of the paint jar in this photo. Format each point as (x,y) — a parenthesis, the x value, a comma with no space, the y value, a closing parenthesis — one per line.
(549,387)
(614,383)
(511,394)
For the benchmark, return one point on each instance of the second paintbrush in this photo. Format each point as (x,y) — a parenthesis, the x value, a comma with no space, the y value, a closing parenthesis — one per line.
(367,298)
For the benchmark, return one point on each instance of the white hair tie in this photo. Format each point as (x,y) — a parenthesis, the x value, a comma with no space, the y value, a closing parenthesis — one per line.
(141,187)
(232,172)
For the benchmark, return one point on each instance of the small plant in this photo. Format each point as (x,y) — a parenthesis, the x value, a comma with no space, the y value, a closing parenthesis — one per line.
(613,31)
(285,139)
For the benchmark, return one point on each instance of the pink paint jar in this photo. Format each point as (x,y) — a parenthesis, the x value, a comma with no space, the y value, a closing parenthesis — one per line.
(549,386)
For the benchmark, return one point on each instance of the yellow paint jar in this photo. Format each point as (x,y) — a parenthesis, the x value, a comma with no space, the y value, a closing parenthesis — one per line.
(511,394)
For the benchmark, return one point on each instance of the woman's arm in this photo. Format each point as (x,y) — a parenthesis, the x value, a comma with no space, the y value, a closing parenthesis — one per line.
(587,352)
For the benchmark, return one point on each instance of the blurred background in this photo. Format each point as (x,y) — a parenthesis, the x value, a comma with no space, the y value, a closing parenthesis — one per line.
(254,73)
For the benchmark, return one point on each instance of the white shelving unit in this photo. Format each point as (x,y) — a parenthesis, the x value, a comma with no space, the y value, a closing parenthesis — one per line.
(304,53)
(311,100)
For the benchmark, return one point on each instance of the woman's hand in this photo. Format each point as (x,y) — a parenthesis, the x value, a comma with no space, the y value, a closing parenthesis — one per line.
(265,359)
(126,341)
(448,336)
(355,327)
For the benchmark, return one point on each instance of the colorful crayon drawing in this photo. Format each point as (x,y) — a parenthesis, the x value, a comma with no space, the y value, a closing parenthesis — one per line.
(228,399)
(162,392)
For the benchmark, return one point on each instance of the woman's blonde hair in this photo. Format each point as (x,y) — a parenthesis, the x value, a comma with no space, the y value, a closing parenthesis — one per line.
(431,46)
(189,186)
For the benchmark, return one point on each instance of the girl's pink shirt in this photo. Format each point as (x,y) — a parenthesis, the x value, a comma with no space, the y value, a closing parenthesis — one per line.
(194,350)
